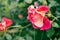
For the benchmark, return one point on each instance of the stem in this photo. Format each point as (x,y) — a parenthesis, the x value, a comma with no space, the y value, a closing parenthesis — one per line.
(34,34)
(4,33)
(42,35)
(0,17)
(54,19)
(27,25)
(58,16)
(23,28)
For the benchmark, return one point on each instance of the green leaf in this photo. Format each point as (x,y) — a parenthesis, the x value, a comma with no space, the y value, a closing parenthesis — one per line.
(55,25)
(18,38)
(28,37)
(32,32)
(40,0)
(58,38)
(8,36)
(55,38)
(52,3)
(23,4)
(50,32)
(13,30)
(21,38)
(28,1)
(17,26)
(58,13)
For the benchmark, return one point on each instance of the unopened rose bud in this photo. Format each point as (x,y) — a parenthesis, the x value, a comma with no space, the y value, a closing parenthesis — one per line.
(49,15)
(20,16)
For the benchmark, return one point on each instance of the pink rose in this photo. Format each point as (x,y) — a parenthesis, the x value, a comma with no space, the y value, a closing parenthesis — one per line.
(37,17)
(5,23)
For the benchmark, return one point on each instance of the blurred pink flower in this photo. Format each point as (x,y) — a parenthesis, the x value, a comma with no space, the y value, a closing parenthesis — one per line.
(37,17)
(5,23)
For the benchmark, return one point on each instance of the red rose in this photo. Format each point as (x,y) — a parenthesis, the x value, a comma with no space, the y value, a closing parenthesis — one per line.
(5,23)
(37,17)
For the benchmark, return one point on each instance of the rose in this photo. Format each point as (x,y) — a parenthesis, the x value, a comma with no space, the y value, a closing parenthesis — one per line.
(37,17)
(5,23)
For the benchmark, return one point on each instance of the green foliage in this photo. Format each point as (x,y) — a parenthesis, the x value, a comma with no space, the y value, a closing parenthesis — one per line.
(21,29)
(50,32)
(55,25)
(8,36)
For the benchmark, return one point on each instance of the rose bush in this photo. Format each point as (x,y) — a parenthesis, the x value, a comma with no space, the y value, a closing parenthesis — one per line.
(21,21)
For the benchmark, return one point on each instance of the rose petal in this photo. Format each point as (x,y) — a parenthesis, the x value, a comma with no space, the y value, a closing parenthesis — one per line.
(31,9)
(42,8)
(34,26)
(36,19)
(46,25)
(2,27)
(8,21)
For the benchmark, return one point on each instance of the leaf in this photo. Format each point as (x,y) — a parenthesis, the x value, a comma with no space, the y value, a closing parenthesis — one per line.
(18,38)
(50,32)
(58,38)
(0,18)
(40,0)
(8,36)
(23,4)
(57,13)
(21,38)
(28,37)
(13,30)
(55,38)
(32,32)
(55,25)
(52,3)
(28,1)
(17,26)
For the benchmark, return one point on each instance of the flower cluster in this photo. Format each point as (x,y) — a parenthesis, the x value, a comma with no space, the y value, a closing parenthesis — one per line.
(37,17)
(5,23)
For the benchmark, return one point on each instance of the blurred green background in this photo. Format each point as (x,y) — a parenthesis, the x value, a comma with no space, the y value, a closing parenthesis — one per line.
(21,29)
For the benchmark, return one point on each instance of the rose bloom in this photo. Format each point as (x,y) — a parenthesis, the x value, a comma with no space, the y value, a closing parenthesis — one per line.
(5,23)
(37,17)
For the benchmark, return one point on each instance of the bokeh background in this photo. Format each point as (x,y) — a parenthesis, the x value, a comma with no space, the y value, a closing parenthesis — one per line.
(21,29)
